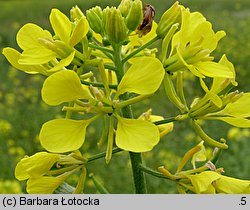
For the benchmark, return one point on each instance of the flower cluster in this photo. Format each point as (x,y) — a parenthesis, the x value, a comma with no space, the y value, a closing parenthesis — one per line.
(99,65)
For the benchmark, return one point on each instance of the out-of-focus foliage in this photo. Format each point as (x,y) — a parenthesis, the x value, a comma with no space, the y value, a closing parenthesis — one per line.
(21,107)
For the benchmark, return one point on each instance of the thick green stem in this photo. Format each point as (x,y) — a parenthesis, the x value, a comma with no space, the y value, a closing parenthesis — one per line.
(135,158)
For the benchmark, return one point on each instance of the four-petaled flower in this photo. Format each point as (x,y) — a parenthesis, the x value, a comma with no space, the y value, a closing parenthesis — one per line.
(136,135)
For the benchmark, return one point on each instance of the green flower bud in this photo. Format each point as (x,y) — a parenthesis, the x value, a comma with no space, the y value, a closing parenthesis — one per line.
(114,25)
(105,41)
(124,7)
(170,17)
(76,13)
(135,15)
(95,16)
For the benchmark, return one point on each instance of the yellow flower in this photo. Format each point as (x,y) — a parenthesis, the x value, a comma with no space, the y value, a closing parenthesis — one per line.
(202,182)
(231,185)
(235,113)
(63,135)
(210,182)
(46,171)
(192,45)
(36,165)
(40,47)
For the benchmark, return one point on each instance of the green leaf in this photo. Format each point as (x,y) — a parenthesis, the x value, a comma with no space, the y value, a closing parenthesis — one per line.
(143,77)
(63,135)
(136,135)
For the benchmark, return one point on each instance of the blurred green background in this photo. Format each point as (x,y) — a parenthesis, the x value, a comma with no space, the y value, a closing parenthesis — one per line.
(22,112)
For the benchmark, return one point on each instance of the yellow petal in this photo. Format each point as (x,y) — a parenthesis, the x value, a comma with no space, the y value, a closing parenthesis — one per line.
(231,185)
(36,56)
(213,69)
(35,165)
(136,135)
(80,31)
(44,184)
(218,81)
(63,63)
(63,86)
(13,56)
(28,35)
(143,77)
(239,108)
(237,122)
(202,182)
(211,95)
(60,24)
(63,135)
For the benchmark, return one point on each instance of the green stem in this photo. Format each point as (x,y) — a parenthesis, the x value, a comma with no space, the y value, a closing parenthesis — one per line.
(110,67)
(167,120)
(140,49)
(153,172)
(135,158)
(103,49)
(69,112)
(132,101)
(103,154)
(97,84)
(172,119)
(99,186)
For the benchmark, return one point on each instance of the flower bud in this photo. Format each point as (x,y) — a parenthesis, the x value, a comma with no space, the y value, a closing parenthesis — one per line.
(76,14)
(114,25)
(170,17)
(94,16)
(134,16)
(124,7)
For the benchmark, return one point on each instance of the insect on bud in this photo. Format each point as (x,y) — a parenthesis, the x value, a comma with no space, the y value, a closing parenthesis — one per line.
(170,17)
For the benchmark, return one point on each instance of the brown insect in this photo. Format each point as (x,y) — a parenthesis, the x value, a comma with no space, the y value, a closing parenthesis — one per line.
(148,17)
